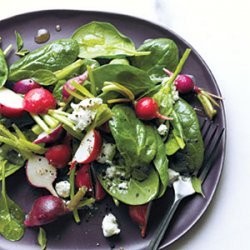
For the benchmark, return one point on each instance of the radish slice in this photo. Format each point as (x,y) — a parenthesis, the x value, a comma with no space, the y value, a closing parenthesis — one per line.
(11,104)
(89,148)
(51,137)
(41,174)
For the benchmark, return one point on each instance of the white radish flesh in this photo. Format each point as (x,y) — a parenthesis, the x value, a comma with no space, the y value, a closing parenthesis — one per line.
(41,174)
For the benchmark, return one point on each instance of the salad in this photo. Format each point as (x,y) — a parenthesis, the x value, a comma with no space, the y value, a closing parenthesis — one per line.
(92,116)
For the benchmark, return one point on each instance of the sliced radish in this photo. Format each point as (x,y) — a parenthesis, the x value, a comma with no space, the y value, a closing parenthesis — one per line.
(54,135)
(11,104)
(40,173)
(139,214)
(89,148)
(83,177)
(99,191)
(59,155)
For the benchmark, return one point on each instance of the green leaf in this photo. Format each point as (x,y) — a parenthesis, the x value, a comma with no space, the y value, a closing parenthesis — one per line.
(22,52)
(19,41)
(163,54)
(197,185)
(3,69)
(44,77)
(53,56)
(130,77)
(135,141)
(42,239)
(189,159)
(161,165)
(171,145)
(11,215)
(100,39)
(137,193)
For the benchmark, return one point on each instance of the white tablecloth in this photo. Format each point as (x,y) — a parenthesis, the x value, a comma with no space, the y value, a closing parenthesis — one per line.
(219,30)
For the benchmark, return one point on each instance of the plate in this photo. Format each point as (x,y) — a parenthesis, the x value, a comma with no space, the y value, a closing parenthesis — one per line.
(64,233)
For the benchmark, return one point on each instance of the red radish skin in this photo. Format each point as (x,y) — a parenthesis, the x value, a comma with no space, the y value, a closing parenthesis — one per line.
(11,104)
(59,155)
(39,101)
(147,109)
(83,177)
(24,86)
(53,136)
(139,214)
(45,209)
(99,191)
(78,79)
(90,147)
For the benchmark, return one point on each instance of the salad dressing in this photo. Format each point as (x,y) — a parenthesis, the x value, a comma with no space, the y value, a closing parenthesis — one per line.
(42,36)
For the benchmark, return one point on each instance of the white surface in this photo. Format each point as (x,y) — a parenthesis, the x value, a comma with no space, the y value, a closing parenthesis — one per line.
(219,30)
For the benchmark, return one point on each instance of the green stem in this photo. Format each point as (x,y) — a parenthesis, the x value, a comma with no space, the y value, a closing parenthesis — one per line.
(82,89)
(72,193)
(77,134)
(7,50)
(92,80)
(4,187)
(40,122)
(19,133)
(115,86)
(65,72)
(6,132)
(118,100)
(208,107)
(74,202)
(36,129)
(74,94)
(33,147)
(62,119)
(50,121)
(86,202)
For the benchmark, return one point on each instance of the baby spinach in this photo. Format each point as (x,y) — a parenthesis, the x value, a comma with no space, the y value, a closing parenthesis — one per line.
(131,77)
(19,41)
(189,159)
(161,165)
(44,77)
(11,215)
(137,192)
(3,69)
(53,56)
(101,39)
(13,160)
(163,54)
(135,141)
(42,239)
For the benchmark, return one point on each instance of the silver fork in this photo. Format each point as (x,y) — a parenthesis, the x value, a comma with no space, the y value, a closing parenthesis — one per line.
(212,136)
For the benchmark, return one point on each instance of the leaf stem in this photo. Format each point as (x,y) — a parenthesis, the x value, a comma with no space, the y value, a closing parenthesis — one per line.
(92,80)
(40,122)
(7,50)
(82,89)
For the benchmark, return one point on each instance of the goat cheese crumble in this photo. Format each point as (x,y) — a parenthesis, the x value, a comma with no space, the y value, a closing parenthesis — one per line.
(110,225)
(162,129)
(84,112)
(107,153)
(63,189)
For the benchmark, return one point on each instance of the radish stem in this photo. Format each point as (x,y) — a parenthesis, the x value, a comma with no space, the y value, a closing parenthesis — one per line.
(92,80)
(118,100)
(50,121)
(74,202)
(74,94)
(36,129)
(81,89)
(62,119)
(40,122)
(18,132)
(7,50)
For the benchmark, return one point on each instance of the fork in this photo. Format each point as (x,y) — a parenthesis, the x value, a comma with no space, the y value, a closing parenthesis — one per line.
(212,136)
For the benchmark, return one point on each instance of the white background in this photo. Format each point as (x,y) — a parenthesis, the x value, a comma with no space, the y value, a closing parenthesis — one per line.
(220,32)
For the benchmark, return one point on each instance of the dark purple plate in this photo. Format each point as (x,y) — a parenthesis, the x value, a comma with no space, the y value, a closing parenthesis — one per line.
(65,234)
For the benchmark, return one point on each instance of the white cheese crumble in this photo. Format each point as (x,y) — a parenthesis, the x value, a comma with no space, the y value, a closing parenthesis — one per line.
(123,185)
(63,189)
(110,172)
(175,94)
(84,112)
(110,225)
(162,130)
(107,153)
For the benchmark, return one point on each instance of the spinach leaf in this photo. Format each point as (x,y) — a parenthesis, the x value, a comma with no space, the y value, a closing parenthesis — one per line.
(161,165)
(14,160)
(11,215)
(19,41)
(189,159)
(3,69)
(53,56)
(42,239)
(22,52)
(135,141)
(163,54)
(101,39)
(44,77)
(136,193)
(131,77)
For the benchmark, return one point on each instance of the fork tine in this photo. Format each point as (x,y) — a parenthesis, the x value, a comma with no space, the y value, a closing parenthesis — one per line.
(210,156)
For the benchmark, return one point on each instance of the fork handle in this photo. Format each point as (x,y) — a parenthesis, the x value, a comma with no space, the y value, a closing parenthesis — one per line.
(161,229)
